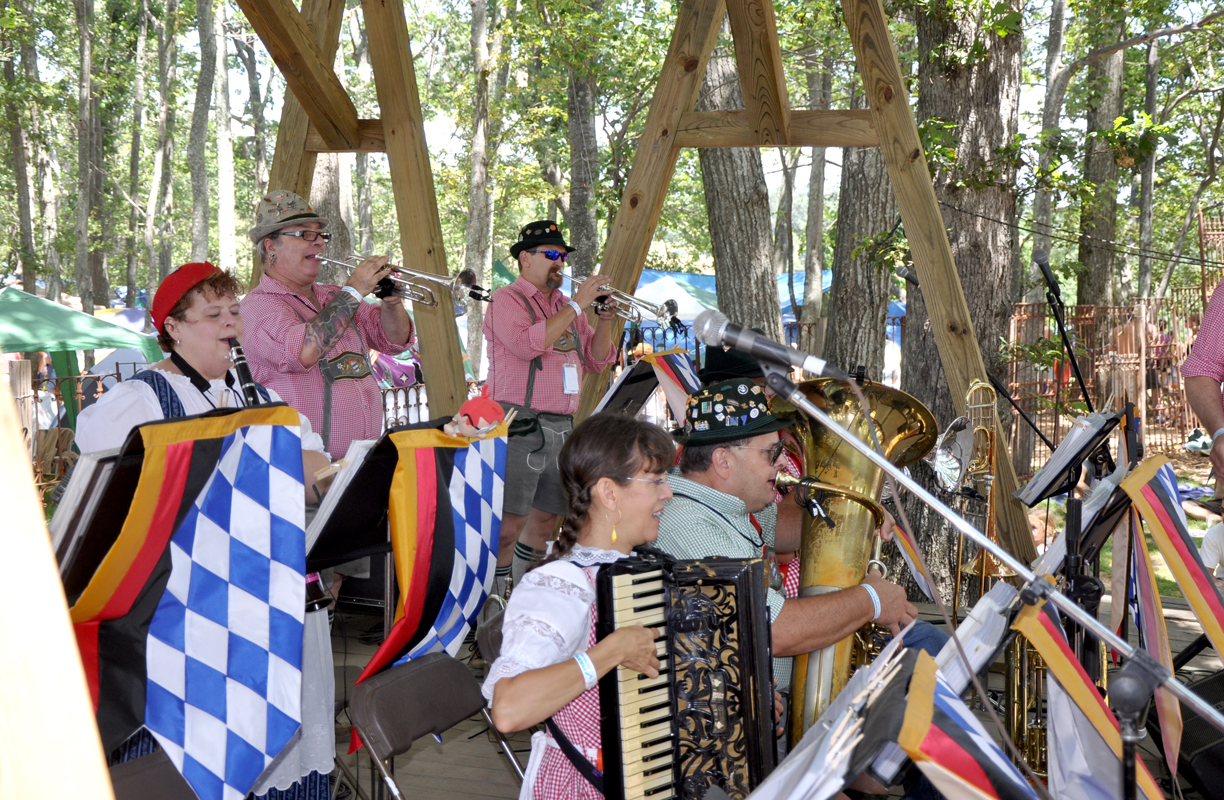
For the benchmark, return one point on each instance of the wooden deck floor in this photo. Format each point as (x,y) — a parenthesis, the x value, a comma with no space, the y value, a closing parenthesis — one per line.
(469,764)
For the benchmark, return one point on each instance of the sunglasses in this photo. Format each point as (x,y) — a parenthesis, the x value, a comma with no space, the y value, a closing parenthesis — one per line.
(308,236)
(552,255)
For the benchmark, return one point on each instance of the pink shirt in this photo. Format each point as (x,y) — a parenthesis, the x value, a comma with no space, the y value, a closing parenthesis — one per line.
(275,322)
(514,341)
(1206,359)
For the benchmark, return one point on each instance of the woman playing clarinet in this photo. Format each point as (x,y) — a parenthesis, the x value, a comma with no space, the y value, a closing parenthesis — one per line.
(613,471)
(195,312)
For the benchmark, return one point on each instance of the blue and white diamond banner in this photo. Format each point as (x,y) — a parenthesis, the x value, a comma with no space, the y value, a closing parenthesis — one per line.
(224,649)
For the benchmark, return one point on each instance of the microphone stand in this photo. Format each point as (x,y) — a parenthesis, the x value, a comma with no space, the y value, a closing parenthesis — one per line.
(1035,586)
(1054,299)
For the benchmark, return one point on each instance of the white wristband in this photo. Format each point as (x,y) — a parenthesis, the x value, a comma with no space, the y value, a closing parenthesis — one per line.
(1217,435)
(589,676)
(577,308)
(875,599)
(351,290)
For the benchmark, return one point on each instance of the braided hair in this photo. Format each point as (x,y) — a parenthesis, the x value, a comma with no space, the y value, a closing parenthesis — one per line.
(605,445)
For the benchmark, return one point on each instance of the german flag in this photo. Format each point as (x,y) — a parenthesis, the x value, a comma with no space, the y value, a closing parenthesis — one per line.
(1085,746)
(949,745)
(1153,489)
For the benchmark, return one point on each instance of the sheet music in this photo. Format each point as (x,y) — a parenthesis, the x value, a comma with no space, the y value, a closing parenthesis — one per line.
(1051,560)
(1083,432)
(979,634)
(356,456)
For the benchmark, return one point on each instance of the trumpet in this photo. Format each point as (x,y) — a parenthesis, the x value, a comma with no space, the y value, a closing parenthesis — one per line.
(628,307)
(418,287)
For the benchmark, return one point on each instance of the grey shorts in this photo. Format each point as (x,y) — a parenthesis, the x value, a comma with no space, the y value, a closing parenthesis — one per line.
(532,478)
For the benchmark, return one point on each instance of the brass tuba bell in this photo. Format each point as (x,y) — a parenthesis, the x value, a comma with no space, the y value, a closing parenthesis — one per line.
(835,556)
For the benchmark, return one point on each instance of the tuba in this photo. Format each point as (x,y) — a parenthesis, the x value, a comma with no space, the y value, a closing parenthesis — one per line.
(838,541)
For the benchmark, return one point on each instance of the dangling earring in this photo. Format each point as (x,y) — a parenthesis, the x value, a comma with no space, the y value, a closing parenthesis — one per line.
(618,519)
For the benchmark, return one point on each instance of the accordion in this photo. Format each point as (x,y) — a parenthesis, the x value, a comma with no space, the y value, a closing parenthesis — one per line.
(707,720)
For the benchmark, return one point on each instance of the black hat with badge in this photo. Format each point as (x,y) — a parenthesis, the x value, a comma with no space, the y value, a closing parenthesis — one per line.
(534,234)
(727,412)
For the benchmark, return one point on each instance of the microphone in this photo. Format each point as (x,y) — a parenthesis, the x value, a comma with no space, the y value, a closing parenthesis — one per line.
(714,329)
(908,274)
(1042,259)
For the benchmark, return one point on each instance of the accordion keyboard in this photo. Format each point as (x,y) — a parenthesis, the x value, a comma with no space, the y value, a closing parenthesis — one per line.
(646,733)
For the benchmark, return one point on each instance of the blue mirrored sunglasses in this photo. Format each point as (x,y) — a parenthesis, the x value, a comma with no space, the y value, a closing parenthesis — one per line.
(552,255)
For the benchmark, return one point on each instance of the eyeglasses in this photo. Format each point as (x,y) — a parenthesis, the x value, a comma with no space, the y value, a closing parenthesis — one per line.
(774,452)
(659,483)
(308,236)
(552,255)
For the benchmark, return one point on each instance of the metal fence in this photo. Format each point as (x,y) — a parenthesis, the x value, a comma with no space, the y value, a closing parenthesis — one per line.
(1125,353)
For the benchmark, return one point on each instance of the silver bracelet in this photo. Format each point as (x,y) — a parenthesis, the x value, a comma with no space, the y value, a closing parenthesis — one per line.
(875,599)
(589,676)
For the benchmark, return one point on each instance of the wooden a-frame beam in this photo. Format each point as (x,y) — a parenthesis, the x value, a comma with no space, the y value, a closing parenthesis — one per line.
(371,139)
(927,235)
(672,123)
(853,128)
(416,205)
(759,58)
(293,165)
(307,70)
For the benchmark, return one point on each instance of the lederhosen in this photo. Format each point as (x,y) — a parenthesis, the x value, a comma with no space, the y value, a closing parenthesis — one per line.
(346,366)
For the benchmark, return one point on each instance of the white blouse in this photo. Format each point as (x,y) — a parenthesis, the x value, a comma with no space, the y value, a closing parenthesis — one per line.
(548,617)
(105,424)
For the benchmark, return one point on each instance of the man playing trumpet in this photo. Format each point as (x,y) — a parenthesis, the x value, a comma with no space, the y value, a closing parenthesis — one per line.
(540,344)
(309,341)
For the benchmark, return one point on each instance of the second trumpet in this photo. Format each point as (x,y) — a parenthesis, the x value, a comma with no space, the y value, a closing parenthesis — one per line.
(628,307)
(418,287)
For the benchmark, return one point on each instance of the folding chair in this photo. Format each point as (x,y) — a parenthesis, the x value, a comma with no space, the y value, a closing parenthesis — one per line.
(427,695)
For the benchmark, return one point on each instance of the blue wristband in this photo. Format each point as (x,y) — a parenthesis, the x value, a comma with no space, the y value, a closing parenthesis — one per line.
(353,291)
(875,599)
(589,676)
(577,308)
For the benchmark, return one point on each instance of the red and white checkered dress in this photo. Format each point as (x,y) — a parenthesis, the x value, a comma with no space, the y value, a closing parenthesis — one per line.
(273,318)
(790,570)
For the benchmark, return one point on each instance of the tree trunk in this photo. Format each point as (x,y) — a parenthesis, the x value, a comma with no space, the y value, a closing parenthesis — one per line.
(81,266)
(197,143)
(811,334)
(981,100)
(1147,175)
(1051,133)
(328,198)
(1099,215)
(258,152)
(365,192)
(783,235)
(134,213)
(737,205)
(480,200)
(584,169)
(21,175)
(858,299)
(227,244)
(161,194)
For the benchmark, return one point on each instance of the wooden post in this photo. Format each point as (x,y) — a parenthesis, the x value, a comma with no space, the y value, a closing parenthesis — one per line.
(416,205)
(21,385)
(292,164)
(697,25)
(928,240)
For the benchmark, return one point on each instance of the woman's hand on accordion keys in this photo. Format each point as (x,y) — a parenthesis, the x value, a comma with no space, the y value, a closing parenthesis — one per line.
(633,648)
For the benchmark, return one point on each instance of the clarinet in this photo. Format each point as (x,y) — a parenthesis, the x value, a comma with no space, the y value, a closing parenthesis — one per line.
(249,395)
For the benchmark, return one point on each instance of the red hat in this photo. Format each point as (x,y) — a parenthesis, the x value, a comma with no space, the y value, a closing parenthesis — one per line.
(177,284)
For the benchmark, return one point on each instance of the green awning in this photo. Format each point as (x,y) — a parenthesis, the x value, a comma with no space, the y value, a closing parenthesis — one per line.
(29,323)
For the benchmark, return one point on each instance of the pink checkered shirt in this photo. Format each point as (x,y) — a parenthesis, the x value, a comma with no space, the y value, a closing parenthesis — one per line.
(273,338)
(514,341)
(1206,359)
